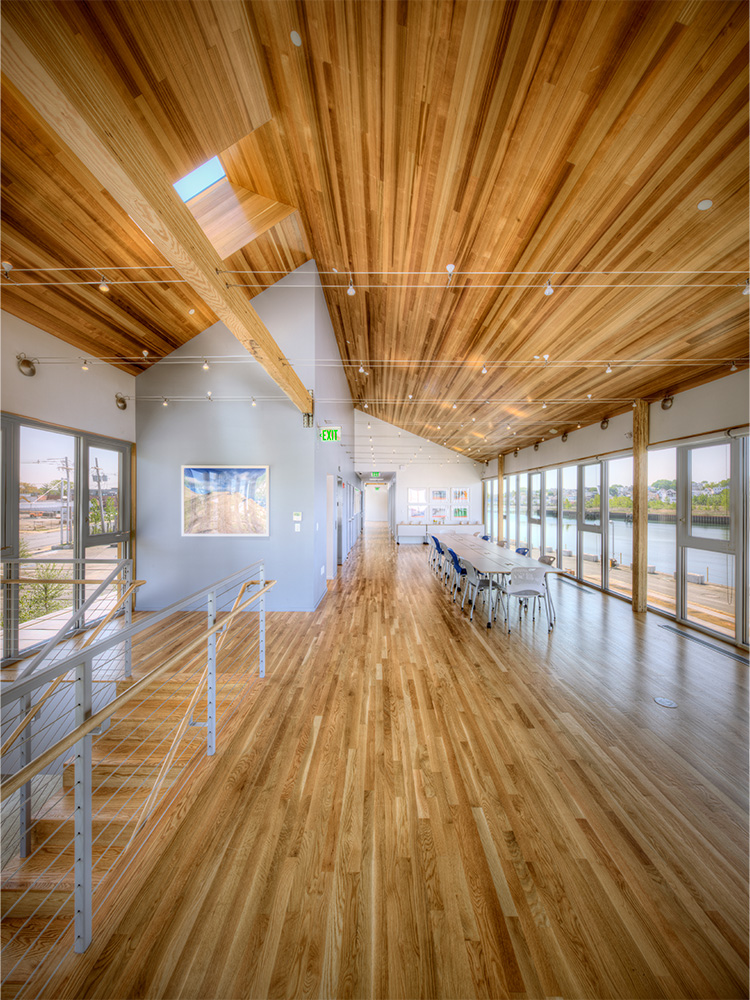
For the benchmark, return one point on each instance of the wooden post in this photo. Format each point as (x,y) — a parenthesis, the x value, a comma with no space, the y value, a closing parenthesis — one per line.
(640,505)
(500,474)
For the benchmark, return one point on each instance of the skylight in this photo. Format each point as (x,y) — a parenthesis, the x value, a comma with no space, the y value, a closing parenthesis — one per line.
(200,179)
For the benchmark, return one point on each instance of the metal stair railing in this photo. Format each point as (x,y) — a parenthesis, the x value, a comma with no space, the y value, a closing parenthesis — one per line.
(168,693)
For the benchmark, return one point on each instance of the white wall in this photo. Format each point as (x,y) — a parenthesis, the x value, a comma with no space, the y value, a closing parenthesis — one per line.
(236,433)
(62,394)
(376,502)
(709,408)
(417,462)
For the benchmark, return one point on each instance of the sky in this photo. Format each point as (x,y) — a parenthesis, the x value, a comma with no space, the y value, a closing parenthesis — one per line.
(42,453)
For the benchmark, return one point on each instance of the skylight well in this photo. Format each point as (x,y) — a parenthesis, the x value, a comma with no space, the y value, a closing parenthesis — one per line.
(198,180)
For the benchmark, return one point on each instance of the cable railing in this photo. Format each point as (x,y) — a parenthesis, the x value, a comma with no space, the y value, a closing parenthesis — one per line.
(86,770)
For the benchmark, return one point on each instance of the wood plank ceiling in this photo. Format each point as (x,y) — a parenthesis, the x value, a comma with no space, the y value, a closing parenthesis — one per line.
(519,142)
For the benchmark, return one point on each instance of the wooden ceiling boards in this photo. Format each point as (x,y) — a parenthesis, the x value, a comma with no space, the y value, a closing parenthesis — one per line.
(521,143)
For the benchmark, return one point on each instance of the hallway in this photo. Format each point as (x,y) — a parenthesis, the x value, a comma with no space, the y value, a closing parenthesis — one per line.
(411,805)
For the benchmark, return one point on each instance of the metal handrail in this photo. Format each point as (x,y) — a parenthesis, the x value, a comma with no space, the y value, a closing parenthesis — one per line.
(20,778)
(74,618)
(58,680)
(14,689)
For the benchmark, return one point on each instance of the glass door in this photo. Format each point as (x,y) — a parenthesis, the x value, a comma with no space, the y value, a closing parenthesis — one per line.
(535,515)
(707,525)
(590,524)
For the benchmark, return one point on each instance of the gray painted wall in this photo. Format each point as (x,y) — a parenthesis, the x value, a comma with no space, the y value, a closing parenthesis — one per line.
(236,433)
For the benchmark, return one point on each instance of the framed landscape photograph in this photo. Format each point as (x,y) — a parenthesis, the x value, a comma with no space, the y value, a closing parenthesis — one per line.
(460,513)
(417,494)
(459,495)
(417,512)
(220,500)
(439,514)
(439,496)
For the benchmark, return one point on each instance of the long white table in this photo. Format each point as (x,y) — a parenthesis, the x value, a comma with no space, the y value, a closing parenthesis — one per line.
(489,559)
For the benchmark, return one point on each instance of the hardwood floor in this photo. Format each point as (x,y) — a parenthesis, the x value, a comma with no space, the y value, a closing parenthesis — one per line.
(411,805)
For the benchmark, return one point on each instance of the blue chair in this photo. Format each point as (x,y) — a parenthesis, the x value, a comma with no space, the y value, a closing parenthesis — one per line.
(522,552)
(458,573)
(485,538)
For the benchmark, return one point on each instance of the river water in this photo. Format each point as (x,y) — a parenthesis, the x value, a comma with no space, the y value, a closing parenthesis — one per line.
(662,547)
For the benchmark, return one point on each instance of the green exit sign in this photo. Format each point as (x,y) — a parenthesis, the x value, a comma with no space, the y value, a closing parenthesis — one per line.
(330,433)
(374,475)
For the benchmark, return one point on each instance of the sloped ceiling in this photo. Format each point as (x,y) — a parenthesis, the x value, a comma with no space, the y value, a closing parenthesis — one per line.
(520,143)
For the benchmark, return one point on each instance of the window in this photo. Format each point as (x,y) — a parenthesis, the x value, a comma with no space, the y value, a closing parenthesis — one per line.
(198,180)
(66,499)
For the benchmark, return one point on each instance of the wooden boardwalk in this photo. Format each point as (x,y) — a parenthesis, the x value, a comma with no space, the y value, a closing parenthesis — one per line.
(411,805)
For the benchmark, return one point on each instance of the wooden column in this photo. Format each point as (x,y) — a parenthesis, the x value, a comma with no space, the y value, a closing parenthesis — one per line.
(640,505)
(500,474)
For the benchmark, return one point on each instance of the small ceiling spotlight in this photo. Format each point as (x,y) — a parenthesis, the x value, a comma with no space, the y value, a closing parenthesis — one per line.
(252,402)
(667,402)
(548,289)
(410,396)
(635,403)
(165,402)
(366,406)
(564,437)
(544,406)
(25,365)
(608,370)
(205,365)
(361,370)
(120,402)
(103,286)
(588,395)
(745,290)
(144,353)
(7,268)
(515,453)
(484,369)
(604,424)
(455,407)
(351,290)
(473,420)
(209,396)
(578,426)
(450,268)
(85,366)
(536,446)
(733,367)
(191,312)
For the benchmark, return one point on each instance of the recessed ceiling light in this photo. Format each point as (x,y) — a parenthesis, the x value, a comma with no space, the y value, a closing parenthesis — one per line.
(704,205)
(296,38)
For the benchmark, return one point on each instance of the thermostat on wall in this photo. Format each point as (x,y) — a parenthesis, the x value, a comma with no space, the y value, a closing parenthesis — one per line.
(297,515)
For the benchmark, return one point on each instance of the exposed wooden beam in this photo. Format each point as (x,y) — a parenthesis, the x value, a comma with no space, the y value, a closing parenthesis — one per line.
(640,505)
(99,122)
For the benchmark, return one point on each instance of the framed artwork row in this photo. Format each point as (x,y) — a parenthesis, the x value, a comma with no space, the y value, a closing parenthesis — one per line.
(438,505)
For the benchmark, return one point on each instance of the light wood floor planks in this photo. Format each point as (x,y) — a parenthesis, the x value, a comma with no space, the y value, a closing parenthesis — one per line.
(412,806)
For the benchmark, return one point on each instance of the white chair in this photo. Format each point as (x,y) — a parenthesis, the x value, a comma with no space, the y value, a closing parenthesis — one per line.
(523,584)
(549,561)
(481,585)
